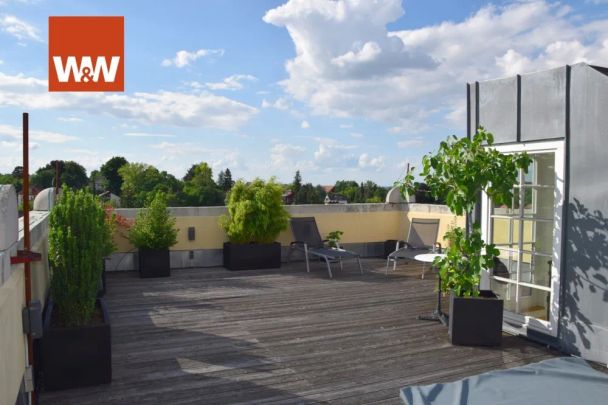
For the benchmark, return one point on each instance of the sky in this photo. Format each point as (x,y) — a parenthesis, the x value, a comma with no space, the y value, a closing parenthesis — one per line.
(338,89)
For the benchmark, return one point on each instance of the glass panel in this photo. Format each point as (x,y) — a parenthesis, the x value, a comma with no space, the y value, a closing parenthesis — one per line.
(538,202)
(538,237)
(507,211)
(506,265)
(535,303)
(505,232)
(506,291)
(541,270)
(545,169)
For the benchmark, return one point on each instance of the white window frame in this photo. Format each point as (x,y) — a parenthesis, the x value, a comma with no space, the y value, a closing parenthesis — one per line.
(528,322)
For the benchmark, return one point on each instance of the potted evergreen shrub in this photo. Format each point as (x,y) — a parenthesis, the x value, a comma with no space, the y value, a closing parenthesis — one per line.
(458,173)
(153,233)
(256,216)
(75,348)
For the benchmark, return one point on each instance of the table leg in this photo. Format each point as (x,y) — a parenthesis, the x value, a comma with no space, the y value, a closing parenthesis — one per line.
(437,314)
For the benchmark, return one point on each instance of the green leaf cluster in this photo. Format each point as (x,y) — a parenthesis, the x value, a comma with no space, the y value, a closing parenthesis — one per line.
(255,212)
(334,238)
(79,237)
(154,227)
(457,173)
(465,256)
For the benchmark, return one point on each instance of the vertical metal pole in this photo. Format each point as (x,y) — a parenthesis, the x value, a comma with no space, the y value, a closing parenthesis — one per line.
(26,231)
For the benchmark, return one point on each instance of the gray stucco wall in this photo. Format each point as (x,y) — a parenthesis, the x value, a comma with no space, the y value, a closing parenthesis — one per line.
(584,322)
(570,103)
(543,105)
(498,108)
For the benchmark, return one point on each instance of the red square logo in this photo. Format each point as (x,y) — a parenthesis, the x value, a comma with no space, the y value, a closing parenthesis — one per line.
(86,54)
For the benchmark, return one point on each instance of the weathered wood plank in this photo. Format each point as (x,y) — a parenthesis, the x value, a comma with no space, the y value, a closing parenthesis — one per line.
(280,337)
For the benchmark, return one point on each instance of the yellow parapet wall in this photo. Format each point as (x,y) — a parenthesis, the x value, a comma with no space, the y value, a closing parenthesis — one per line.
(361,223)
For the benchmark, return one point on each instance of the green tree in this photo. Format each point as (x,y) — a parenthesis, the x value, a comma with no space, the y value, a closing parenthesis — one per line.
(200,189)
(458,173)
(224,180)
(255,212)
(109,170)
(80,235)
(71,174)
(154,227)
(310,194)
(140,182)
(296,185)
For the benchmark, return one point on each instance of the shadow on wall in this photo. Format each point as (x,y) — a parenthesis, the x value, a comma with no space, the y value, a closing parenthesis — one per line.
(586,273)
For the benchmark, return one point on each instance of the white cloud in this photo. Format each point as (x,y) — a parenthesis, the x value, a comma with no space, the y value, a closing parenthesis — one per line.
(36,135)
(19,28)
(414,79)
(346,126)
(184,58)
(356,135)
(69,119)
(280,103)
(178,157)
(377,163)
(163,107)
(147,135)
(286,156)
(304,125)
(234,82)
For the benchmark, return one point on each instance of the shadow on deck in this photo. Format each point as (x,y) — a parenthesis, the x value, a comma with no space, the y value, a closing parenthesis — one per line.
(211,336)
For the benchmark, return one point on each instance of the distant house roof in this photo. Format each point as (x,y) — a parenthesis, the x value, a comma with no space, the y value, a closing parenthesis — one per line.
(328,189)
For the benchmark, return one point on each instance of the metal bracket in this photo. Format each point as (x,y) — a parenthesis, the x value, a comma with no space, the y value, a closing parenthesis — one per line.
(25,256)
(32,319)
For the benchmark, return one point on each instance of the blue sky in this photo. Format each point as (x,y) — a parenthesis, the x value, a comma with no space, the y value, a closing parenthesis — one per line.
(339,89)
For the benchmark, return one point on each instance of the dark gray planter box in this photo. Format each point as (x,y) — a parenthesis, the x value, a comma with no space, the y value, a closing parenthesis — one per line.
(72,357)
(154,263)
(476,321)
(252,256)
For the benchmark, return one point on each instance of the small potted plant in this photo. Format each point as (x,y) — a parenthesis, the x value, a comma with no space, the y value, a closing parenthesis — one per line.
(333,239)
(75,348)
(153,233)
(256,216)
(458,173)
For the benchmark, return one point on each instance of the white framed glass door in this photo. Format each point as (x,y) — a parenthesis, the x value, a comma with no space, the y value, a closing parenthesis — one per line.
(528,236)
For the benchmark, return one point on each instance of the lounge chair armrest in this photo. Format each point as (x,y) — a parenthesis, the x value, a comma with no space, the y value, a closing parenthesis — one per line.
(297,242)
(437,247)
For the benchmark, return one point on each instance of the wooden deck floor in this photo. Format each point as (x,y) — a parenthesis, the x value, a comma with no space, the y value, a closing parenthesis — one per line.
(210,336)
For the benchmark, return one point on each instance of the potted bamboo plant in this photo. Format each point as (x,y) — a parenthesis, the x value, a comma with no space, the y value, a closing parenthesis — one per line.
(458,173)
(153,233)
(75,348)
(256,216)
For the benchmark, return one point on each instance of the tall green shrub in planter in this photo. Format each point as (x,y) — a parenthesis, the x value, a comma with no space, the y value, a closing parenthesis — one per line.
(75,320)
(458,173)
(153,233)
(256,216)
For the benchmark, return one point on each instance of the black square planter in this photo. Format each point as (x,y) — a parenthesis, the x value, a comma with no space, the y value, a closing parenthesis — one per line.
(252,256)
(154,263)
(72,357)
(476,321)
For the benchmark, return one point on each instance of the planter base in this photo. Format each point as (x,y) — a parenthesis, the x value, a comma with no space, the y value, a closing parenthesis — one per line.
(252,256)
(476,321)
(72,357)
(154,263)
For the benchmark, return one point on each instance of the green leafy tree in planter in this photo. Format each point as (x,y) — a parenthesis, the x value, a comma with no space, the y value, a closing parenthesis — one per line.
(80,236)
(255,212)
(154,227)
(457,174)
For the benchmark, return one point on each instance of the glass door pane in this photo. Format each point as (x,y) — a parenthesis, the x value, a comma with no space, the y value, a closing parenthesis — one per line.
(524,234)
